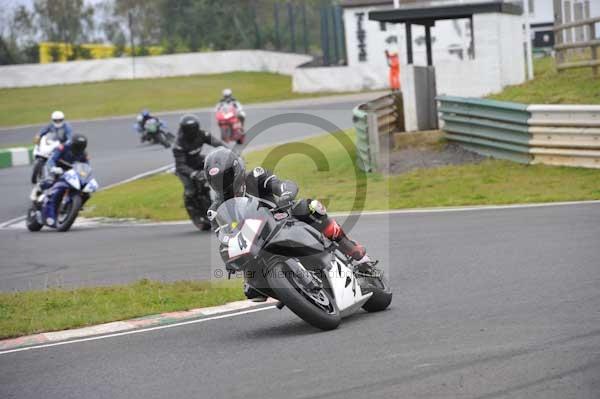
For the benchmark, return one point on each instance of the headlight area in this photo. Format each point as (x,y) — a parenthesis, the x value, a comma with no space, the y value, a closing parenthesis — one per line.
(90,187)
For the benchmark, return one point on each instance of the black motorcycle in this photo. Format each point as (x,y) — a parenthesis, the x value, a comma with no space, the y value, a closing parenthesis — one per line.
(198,205)
(286,259)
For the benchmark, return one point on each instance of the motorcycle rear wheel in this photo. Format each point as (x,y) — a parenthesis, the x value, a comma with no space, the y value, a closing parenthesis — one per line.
(71,210)
(297,300)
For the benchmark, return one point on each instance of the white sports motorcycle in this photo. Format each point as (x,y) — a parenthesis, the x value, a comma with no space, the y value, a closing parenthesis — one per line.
(41,152)
(286,259)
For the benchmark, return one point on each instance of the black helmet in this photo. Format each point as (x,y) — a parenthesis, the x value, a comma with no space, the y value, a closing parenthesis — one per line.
(189,126)
(78,144)
(226,173)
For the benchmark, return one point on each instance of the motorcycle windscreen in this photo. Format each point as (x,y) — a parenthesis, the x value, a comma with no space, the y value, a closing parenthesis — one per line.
(242,224)
(83,171)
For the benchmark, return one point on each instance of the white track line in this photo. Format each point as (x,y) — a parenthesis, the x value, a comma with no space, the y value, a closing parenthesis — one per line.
(142,330)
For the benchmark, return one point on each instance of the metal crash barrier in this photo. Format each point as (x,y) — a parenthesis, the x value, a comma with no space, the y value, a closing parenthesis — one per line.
(375,122)
(567,135)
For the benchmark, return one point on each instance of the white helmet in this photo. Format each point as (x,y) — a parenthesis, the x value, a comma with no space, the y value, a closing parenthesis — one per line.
(227,93)
(58,119)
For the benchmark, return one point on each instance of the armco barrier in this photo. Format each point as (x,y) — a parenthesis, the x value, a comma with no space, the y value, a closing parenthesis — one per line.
(566,135)
(374,122)
(15,157)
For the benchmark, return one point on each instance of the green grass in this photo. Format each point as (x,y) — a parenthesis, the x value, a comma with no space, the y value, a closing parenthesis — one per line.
(489,182)
(92,100)
(7,146)
(24,313)
(574,86)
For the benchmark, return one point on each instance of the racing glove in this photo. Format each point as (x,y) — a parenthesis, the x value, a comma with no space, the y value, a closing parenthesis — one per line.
(198,175)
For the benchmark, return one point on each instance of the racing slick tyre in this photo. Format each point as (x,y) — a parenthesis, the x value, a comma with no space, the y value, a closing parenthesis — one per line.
(67,213)
(317,308)
(382,293)
(226,133)
(38,170)
(162,138)
(31,221)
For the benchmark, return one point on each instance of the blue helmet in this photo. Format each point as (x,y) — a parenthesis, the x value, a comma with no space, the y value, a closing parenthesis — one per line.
(145,113)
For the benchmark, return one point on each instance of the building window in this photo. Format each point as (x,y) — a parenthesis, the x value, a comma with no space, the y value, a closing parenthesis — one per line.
(382,26)
(531,6)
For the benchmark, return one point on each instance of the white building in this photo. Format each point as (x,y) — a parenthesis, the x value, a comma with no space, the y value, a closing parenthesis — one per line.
(474,55)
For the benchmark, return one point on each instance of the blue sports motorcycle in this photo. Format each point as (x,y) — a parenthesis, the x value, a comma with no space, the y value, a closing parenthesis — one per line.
(63,199)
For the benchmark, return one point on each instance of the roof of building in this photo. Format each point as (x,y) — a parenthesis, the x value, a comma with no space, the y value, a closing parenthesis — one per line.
(424,12)
(370,3)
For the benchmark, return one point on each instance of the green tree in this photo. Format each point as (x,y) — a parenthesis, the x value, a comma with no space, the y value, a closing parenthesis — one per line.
(65,21)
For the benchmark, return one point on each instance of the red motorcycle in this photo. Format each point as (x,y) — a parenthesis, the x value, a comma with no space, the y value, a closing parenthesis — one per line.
(229,123)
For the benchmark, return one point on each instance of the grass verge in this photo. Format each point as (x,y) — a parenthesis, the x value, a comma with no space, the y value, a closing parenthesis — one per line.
(24,313)
(93,100)
(333,181)
(573,86)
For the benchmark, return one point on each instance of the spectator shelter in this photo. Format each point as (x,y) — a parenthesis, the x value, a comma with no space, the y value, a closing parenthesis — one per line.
(496,54)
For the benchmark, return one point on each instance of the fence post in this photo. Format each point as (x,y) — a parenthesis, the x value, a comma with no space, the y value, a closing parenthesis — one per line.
(305,29)
(292,27)
(277,36)
(325,36)
(594,48)
(558,34)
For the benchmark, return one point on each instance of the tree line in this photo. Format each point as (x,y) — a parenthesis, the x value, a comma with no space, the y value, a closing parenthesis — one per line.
(175,25)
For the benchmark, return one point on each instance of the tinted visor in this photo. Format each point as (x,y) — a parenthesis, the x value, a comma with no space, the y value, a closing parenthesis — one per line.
(190,131)
(78,147)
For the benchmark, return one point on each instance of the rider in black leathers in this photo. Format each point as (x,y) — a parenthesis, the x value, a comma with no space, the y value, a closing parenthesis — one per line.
(189,161)
(227,176)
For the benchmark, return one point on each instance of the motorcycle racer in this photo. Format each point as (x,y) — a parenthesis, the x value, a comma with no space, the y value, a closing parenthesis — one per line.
(58,126)
(226,174)
(229,99)
(140,124)
(189,161)
(60,161)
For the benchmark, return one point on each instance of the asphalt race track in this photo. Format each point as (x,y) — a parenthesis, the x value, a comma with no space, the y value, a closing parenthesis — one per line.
(501,303)
(116,153)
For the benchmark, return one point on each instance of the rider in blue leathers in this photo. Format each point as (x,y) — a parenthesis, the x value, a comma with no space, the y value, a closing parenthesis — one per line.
(62,158)
(58,126)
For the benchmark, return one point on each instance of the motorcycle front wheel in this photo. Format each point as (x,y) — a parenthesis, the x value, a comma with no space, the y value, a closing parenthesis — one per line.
(32,222)
(226,133)
(316,307)
(382,293)
(67,213)
(162,138)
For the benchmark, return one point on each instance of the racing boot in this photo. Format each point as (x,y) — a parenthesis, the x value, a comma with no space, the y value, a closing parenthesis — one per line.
(350,248)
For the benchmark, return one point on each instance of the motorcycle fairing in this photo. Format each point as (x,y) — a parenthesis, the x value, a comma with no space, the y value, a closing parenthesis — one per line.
(345,287)
(297,239)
